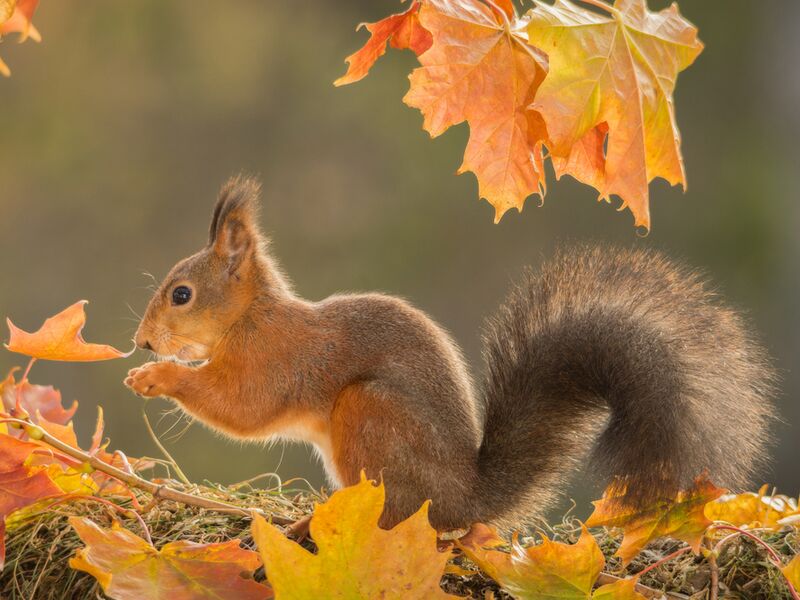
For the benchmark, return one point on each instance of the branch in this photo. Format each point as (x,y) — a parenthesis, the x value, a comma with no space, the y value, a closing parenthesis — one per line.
(157,491)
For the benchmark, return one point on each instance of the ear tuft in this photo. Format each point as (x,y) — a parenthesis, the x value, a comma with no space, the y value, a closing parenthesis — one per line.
(238,197)
(234,233)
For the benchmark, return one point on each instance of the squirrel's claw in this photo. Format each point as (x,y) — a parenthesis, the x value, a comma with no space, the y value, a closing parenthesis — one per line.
(144,381)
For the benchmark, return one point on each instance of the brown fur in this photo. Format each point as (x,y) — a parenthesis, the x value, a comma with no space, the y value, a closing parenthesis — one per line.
(622,345)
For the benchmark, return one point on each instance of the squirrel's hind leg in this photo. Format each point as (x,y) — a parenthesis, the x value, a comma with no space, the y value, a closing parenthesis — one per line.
(415,461)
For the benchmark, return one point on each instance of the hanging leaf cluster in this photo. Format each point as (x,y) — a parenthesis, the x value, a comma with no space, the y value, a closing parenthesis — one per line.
(589,88)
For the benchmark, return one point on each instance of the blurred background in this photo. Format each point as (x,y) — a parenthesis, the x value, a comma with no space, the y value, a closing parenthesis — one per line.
(119,128)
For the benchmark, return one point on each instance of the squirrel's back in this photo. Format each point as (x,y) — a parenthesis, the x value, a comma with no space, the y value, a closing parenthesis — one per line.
(632,357)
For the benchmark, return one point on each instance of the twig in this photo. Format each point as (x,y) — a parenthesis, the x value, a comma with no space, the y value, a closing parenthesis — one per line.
(713,584)
(647,592)
(661,561)
(157,491)
(178,471)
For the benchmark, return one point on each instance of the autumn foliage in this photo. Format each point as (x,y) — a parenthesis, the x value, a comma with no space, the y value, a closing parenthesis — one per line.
(589,88)
(42,466)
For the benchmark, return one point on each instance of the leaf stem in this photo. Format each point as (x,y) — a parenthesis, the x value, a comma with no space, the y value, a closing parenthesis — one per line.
(18,410)
(178,471)
(600,4)
(157,490)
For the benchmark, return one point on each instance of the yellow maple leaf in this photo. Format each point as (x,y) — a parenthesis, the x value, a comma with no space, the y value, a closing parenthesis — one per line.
(481,69)
(549,570)
(356,559)
(624,589)
(752,509)
(792,572)
(682,517)
(613,73)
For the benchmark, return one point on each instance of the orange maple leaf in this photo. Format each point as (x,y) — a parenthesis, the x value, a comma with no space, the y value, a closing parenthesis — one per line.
(613,73)
(60,339)
(127,567)
(682,517)
(20,485)
(401,31)
(35,398)
(15,16)
(481,69)
(356,558)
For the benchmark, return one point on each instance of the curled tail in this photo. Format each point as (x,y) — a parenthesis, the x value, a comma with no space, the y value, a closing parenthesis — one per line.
(628,356)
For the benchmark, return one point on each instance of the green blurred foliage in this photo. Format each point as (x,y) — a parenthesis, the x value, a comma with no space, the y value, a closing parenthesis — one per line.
(119,128)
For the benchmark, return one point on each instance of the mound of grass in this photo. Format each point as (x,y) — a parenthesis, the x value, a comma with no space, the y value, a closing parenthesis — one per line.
(39,548)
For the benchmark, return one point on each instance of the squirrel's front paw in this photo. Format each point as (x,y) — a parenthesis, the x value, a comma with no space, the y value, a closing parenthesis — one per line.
(150,380)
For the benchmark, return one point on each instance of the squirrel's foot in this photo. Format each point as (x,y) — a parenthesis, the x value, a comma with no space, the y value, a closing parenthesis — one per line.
(299,530)
(151,379)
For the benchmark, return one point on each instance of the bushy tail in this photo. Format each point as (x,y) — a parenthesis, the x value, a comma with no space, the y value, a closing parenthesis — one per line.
(632,357)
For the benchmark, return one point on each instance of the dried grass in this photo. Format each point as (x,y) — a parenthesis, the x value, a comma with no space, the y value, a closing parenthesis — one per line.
(38,549)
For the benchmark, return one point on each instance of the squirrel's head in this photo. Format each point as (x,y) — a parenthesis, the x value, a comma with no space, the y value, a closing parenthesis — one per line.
(204,294)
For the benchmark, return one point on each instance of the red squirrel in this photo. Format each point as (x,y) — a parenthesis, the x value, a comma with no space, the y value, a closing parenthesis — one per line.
(616,356)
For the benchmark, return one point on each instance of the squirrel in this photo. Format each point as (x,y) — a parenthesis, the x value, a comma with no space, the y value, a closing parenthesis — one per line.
(614,356)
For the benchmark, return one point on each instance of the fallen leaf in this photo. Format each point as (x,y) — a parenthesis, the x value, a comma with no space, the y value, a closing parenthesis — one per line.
(60,339)
(624,589)
(615,70)
(127,567)
(792,572)
(356,559)
(752,509)
(401,31)
(481,69)
(682,518)
(549,570)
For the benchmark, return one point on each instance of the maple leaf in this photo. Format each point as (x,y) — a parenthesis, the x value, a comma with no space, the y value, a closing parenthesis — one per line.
(481,69)
(615,71)
(356,559)
(41,399)
(60,339)
(549,570)
(792,572)
(20,485)
(401,31)
(682,517)
(752,509)
(126,566)
(15,16)
(624,589)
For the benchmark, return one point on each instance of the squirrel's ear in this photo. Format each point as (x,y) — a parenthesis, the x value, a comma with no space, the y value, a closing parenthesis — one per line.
(234,233)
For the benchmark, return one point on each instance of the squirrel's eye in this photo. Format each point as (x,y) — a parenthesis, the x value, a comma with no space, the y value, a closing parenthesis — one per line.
(181,295)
